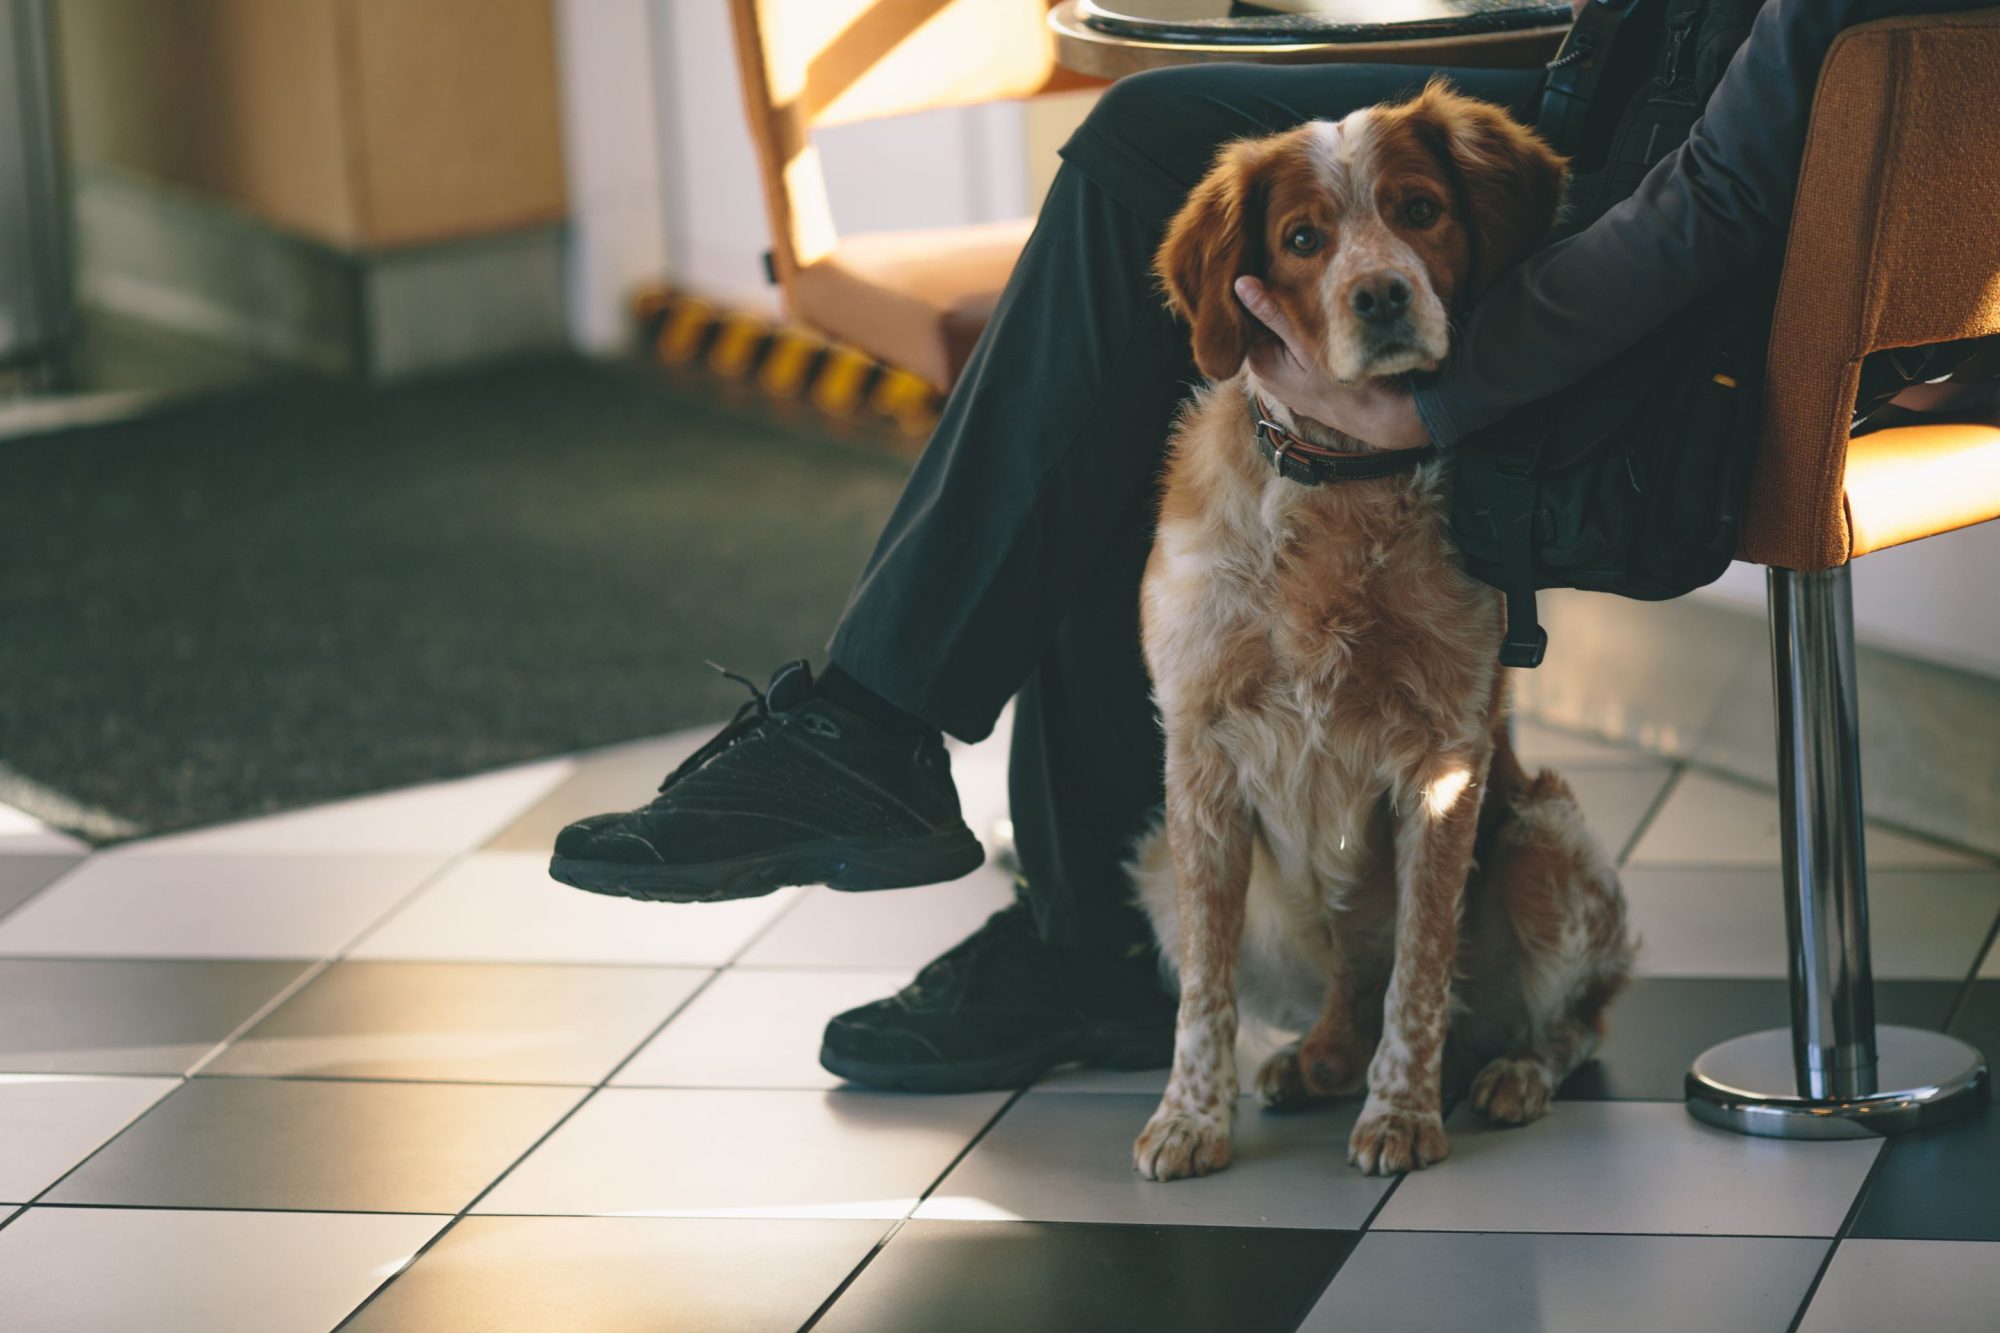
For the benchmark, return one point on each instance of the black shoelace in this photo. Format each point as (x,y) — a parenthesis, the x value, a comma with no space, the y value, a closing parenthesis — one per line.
(749,718)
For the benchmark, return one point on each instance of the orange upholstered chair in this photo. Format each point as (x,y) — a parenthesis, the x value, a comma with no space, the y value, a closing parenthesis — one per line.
(915,299)
(1893,243)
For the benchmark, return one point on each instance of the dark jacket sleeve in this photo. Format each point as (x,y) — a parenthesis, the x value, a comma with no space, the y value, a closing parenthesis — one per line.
(1702,215)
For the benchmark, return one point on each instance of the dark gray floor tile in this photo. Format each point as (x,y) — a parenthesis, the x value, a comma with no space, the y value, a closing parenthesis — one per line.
(126,1016)
(1054,1277)
(1937,1184)
(535,1274)
(360,1147)
(22,877)
(1658,1025)
(1501,1283)
(462,1022)
(1978,1018)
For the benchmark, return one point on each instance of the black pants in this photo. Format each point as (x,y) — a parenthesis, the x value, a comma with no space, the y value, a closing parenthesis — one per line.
(1012,562)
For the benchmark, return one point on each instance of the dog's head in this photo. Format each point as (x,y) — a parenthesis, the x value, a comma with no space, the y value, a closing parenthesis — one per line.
(1370,232)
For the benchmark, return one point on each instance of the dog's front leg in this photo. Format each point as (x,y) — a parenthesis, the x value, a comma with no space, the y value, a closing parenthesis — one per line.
(1208,831)
(1402,1122)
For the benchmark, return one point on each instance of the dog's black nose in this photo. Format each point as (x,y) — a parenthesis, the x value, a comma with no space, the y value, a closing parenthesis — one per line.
(1380,297)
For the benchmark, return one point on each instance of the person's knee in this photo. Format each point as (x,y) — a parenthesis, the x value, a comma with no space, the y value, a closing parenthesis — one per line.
(1173,114)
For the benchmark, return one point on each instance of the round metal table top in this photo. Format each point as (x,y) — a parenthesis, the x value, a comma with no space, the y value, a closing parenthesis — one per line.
(1112,38)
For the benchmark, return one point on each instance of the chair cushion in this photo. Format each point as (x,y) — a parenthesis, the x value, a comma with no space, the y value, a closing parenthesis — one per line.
(914,299)
(1916,481)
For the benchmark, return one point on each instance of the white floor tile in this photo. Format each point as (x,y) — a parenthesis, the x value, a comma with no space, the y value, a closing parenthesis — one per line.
(1629,1167)
(756,1029)
(901,929)
(1567,1284)
(1615,800)
(1254,1044)
(197,1272)
(50,1123)
(619,777)
(1873,1285)
(1706,922)
(1542,746)
(1713,821)
(22,834)
(503,907)
(135,903)
(980,774)
(689,1153)
(1068,1158)
(441,817)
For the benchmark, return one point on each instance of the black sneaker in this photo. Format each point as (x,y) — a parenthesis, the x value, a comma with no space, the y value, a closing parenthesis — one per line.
(796,790)
(1001,1008)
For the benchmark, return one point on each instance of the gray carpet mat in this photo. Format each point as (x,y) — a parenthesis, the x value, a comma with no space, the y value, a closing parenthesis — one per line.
(280,599)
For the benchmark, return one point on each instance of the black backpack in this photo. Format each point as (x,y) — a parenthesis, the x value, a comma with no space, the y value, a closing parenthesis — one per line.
(1631,481)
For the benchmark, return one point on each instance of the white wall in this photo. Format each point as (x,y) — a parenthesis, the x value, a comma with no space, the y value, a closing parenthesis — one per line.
(611,150)
(1937,599)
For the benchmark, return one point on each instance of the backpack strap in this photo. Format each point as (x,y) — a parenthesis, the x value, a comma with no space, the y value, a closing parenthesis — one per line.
(1666,108)
(1514,488)
(1576,71)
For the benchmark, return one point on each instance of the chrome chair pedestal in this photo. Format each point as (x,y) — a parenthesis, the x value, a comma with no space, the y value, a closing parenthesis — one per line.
(1748,1085)
(1833,1075)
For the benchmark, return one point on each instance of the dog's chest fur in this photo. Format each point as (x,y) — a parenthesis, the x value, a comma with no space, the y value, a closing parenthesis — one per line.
(1324,637)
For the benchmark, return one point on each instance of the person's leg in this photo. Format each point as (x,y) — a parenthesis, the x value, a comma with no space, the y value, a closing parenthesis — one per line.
(1018,548)
(1061,417)
(1087,761)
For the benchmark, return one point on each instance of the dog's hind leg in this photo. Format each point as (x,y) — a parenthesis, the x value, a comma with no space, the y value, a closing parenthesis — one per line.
(1332,1059)
(1566,915)
(1518,1086)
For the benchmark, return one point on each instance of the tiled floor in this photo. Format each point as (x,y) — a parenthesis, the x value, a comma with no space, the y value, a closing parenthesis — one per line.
(365,1066)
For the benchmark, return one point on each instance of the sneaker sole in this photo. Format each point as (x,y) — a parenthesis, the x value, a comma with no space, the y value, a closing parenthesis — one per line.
(1114,1049)
(851,865)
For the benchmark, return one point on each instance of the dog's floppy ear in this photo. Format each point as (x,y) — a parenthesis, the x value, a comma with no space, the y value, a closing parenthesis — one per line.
(1510,181)
(1216,238)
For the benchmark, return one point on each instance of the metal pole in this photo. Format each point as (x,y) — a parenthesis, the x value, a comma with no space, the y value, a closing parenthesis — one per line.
(1819,792)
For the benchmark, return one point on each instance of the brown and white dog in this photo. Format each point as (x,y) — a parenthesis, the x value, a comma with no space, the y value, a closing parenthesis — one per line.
(1349,841)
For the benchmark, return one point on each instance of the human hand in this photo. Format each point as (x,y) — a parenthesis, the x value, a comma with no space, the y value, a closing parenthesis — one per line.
(1382,413)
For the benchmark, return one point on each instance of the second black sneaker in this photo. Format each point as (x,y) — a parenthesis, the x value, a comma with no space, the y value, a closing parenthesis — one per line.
(1002,1007)
(796,790)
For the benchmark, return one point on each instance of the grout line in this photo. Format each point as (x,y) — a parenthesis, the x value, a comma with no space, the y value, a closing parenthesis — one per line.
(61,875)
(1841,1233)
(530,1151)
(80,1206)
(1660,799)
(1971,978)
(1986,858)
(841,1288)
(321,967)
(299,982)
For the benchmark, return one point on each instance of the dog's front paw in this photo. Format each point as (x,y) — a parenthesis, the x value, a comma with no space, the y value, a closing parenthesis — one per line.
(1513,1091)
(1387,1140)
(1175,1144)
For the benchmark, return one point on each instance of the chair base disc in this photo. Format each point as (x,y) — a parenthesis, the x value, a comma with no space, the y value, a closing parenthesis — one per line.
(1748,1085)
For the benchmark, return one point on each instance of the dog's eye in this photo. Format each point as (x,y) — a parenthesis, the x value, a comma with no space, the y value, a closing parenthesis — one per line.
(1303,240)
(1420,212)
